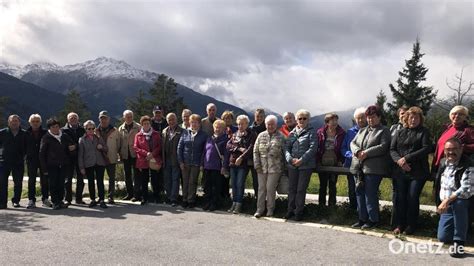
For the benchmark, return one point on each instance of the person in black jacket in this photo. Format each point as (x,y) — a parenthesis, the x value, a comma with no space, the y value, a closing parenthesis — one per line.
(33,140)
(409,150)
(56,150)
(257,127)
(74,130)
(13,148)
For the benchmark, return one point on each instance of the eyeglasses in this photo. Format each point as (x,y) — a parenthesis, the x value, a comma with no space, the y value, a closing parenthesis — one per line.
(91,128)
(302,118)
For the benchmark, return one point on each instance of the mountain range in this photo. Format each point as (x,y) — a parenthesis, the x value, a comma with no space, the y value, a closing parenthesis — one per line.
(103,83)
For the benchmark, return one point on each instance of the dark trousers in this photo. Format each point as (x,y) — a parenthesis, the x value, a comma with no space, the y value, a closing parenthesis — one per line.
(33,169)
(352,192)
(79,184)
(111,173)
(213,186)
(407,201)
(141,183)
(298,184)
(171,175)
(157,184)
(17,172)
(254,180)
(56,178)
(128,167)
(96,173)
(225,188)
(325,180)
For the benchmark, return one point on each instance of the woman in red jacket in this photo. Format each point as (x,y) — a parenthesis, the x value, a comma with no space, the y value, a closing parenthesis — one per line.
(147,145)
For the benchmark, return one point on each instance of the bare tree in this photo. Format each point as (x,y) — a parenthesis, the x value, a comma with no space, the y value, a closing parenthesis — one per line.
(462,94)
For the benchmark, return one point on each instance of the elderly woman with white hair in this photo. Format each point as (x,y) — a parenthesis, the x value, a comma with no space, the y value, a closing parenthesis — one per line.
(300,154)
(92,160)
(269,162)
(359,122)
(459,128)
(240,148)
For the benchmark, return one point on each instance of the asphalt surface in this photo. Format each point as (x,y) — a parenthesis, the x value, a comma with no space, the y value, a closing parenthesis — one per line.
(159,234)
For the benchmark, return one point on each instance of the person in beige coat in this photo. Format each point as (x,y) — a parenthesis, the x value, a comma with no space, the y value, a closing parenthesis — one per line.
(112,138)
(127,132)
(269,162)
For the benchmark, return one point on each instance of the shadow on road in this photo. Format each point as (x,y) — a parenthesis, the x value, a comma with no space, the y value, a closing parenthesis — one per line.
(24,220)
(19,222)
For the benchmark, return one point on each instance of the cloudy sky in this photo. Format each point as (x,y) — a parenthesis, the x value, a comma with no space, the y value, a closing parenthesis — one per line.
(283,55)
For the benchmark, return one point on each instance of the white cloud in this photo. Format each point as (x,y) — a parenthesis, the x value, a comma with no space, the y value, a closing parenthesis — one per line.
(282,55)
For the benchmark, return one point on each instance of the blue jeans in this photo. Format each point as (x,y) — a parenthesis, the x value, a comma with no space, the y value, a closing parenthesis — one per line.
(171,175)
(407,201)
(454,222)
(368,199)
(238,175)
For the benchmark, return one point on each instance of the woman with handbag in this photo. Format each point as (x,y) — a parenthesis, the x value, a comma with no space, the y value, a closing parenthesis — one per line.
(370,149)
(240,148)
(216,165)
(147,146)
(91,161)
(269,162)
(330,139)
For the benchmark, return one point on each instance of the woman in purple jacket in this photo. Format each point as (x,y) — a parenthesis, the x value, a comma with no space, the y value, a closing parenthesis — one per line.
(330,138)
(216,164)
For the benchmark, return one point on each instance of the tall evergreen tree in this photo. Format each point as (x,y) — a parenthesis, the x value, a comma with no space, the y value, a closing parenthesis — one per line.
(3,103)
(140,105)
(410,91)
(164,94)
(73,103)
(381,101)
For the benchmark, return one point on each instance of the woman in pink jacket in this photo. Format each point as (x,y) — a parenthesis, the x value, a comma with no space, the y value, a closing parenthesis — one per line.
(147,145)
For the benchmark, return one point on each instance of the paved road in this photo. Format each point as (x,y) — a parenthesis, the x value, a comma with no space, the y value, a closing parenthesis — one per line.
(130,234)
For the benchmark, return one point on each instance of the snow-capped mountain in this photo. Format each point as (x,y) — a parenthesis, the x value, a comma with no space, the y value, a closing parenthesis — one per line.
(102,67)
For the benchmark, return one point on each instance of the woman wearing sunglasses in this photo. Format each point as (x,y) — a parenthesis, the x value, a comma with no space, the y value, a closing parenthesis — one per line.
(91,161)
(300,154)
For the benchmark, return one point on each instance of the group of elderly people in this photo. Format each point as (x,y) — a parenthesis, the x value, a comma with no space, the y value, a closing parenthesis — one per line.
(168,154)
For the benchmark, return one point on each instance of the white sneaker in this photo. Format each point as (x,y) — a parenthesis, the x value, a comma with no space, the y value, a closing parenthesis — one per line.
(31,204)
(47,203)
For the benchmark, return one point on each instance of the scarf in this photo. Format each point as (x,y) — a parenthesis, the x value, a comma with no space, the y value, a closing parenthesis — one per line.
(147,134)
(57,137)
